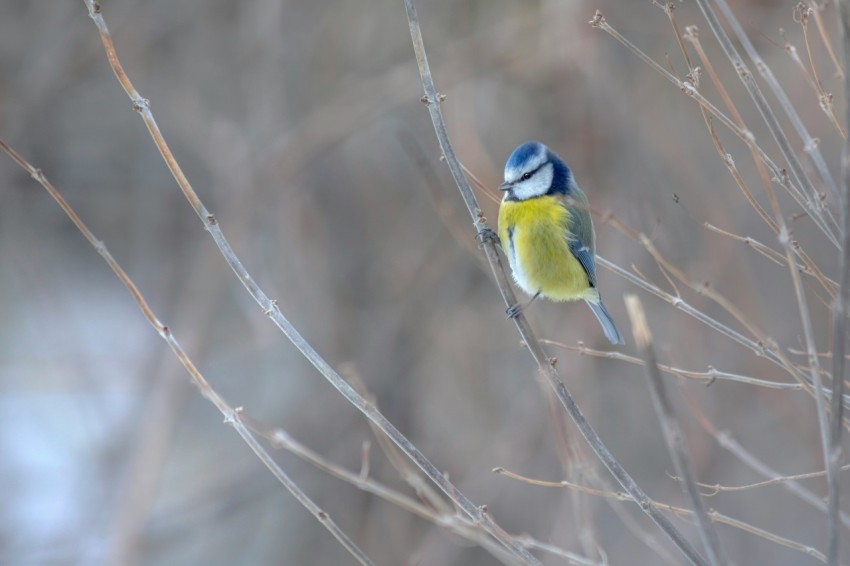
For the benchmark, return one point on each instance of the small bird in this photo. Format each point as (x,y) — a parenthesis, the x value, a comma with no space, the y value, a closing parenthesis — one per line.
(547,233)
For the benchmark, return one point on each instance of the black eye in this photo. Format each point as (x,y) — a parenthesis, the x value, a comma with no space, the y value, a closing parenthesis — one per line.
(525,177)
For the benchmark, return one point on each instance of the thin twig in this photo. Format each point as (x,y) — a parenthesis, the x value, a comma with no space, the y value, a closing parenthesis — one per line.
(713,515)
(442,516)
(717,488)
(433,99)
(693,72)
(828,284)
(842,301)
(761,103)
(727,442)
(571,557)
(397,460)
(729,162)
(802,13)
(784,236)
(764,346)
(692,35)
(760,157)
(673,434)
(761,349)
(688,88)
(808,334)
(709,376)
(702,289)
(270,307)
(839,70)
(806,380)
(791,50)
(232,416)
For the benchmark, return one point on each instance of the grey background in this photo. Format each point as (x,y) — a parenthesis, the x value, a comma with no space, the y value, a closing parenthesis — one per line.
(299,125)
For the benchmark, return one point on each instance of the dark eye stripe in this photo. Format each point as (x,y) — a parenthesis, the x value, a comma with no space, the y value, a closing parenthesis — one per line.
(528,175)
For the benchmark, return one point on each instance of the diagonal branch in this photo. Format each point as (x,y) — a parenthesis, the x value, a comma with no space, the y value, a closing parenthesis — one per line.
(433,99)
(763,106)
(841,304)
(815,208)
(270,307)
(810,145)
(232,416)
(672,430)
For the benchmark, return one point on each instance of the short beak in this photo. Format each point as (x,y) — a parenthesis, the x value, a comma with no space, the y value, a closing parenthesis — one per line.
(506,186)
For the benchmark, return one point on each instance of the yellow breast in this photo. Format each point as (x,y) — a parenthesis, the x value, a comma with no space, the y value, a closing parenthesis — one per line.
(534,235)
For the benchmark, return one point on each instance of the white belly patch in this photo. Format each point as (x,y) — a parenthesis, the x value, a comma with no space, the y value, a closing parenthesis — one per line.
(516,269)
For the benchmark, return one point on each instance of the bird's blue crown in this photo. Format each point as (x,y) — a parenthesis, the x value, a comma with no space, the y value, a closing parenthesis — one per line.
(525,153)
(530,156)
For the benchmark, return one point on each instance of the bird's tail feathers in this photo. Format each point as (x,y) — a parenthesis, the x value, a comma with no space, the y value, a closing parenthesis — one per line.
(611,333)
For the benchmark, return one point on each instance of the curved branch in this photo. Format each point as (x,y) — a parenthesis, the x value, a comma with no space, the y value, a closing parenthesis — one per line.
(433,99)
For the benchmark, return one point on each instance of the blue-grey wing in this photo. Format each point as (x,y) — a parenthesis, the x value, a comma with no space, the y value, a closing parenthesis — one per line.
(580,236)
(585,257)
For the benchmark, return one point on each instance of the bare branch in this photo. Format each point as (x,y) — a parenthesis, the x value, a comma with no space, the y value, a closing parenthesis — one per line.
(744,73)
(673,434)
(727,442)
(270,307)
(708,377)
(433,99)
(232,416)
(713,515)
(814,207)
(836,455)
(717,488)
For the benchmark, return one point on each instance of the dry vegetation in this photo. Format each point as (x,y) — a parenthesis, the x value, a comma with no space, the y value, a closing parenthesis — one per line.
(295,133)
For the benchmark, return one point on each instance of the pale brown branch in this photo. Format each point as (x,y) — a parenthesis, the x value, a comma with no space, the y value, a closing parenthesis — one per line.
(713,515)
(718,488)
(803,12)
(805,201)
(842,303)
(232,416)
(433,100)
(839,70)
(673,434)
(270,307)
(709,376)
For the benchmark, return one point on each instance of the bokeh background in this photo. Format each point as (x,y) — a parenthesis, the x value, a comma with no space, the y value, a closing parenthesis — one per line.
(300,126)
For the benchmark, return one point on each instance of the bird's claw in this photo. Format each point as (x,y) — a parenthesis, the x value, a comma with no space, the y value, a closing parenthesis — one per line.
(513,311)
(487,235)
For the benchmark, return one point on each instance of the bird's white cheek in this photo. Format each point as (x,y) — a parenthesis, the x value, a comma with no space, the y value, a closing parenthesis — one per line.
(537,186)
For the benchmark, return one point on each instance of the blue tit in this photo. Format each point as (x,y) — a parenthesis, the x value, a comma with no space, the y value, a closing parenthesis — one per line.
(547,233)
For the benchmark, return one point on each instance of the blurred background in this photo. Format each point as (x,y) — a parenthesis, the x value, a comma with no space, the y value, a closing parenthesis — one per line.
(299,124)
